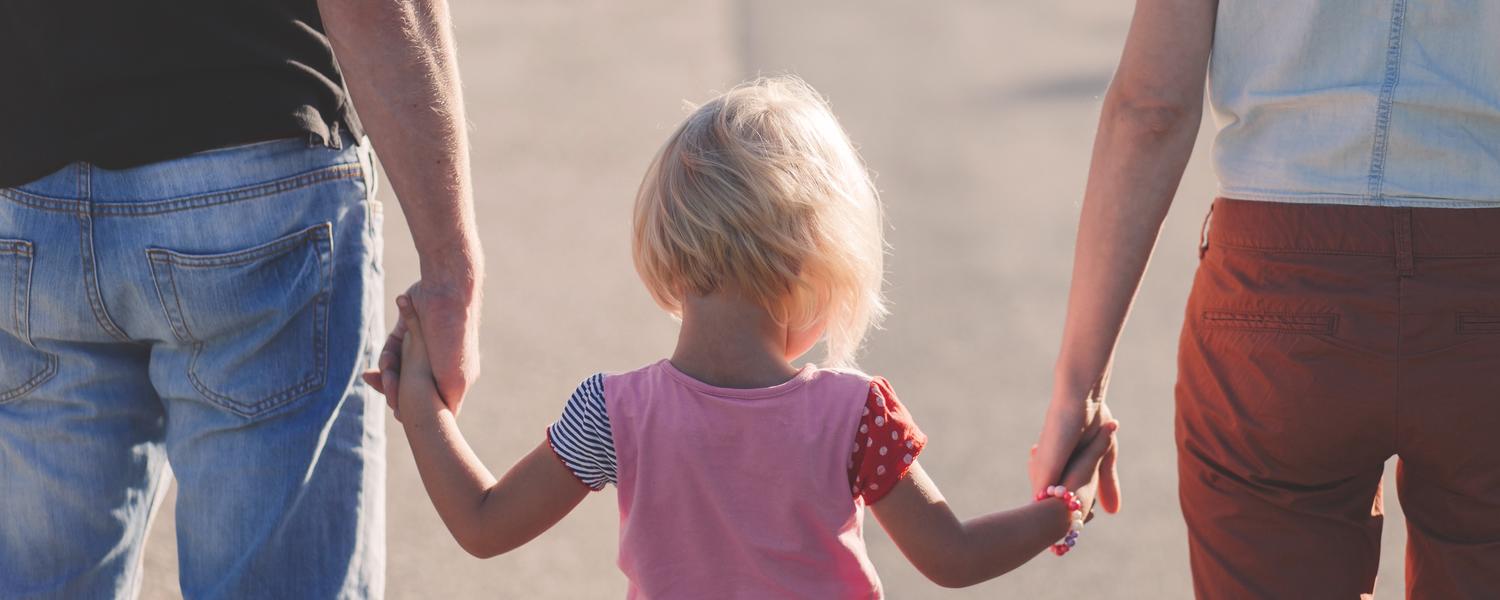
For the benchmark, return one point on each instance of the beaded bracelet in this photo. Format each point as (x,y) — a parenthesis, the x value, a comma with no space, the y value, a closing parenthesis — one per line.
(1074,505)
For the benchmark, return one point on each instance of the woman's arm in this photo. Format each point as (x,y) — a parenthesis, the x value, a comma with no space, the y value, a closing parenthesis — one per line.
(1146,131)
(486,517)
(955,553)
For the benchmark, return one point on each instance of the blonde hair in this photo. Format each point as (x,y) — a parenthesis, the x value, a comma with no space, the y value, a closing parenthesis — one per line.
(760,189)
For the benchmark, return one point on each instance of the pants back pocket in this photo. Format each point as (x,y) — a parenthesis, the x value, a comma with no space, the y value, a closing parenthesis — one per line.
(254,321)
(22,366)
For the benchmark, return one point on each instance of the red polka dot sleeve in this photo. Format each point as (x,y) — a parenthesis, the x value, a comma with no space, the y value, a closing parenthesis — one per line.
(885,445)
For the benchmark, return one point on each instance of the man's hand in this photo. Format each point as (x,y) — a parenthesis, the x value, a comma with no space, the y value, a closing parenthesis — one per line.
(450,332)
(1068,419)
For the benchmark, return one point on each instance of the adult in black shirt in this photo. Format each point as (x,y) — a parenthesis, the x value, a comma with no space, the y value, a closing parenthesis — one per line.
(189,274)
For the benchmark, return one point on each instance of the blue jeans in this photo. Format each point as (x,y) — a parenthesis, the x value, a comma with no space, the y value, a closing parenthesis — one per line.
(211,313)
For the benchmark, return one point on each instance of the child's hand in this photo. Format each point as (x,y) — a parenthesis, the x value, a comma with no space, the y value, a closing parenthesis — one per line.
(416,390)
(1081,476)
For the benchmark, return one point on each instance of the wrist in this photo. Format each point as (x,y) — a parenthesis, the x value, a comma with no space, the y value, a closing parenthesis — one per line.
(1073,512)
(1069,387)
(425,417)
(456,269)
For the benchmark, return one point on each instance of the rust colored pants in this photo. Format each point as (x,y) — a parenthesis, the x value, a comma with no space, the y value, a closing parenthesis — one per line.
(1319,341)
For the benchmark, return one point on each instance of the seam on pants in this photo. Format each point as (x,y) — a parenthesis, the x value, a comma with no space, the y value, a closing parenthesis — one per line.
(1405,263)
(158,207)
(16,300)
(1376,181)
(1396,370)
(86,254)
(1281,250)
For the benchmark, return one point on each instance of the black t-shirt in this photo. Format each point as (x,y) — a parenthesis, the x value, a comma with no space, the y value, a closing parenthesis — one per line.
(122,83)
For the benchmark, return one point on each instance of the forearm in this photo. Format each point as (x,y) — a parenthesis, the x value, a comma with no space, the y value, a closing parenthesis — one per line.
(398,58)
(954,553)
(455,479)
(997,543)
(489,517)
(1146,131)
(1139,157)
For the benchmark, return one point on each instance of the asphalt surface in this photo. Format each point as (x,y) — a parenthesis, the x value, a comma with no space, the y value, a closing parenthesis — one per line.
(977,117)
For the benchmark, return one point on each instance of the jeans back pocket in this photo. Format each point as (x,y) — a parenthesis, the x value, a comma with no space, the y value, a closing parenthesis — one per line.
(255,321)
(22,366)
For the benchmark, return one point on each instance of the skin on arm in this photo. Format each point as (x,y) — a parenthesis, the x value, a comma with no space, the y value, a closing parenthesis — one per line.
(1147,127)
(398,59)
(954,553)
(487,517)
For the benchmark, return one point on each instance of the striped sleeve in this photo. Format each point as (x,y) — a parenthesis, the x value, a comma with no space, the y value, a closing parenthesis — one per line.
(582,439)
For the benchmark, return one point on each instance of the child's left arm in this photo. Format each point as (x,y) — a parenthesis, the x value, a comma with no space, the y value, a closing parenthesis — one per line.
(486,517)
(954,553)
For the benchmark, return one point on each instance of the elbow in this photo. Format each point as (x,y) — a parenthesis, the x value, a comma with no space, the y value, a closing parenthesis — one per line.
(1152,115)
(951,571)
(475,548)
(480,551)
(951,577)
(479,547)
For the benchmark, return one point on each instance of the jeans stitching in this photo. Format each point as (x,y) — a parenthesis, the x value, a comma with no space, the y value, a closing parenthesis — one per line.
(85,217)
(1380,144)
(160,207)
(30,384)
(318,236)
(321,231)
(179,330)
(21,279)
(16,298)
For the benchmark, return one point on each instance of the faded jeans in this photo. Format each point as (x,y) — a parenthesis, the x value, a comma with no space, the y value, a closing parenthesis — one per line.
(211,313)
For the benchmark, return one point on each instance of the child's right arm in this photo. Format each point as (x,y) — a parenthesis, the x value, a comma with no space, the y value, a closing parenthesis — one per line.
(955,553)
(486,517)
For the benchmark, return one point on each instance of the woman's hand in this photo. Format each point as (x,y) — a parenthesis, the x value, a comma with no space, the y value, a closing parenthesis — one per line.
(1087,468)
(1065,432)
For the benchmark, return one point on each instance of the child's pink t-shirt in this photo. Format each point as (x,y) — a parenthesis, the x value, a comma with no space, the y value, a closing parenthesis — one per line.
(740,493)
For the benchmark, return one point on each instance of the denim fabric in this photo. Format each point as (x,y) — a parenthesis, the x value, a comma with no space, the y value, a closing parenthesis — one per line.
(212,313)
(1377,102)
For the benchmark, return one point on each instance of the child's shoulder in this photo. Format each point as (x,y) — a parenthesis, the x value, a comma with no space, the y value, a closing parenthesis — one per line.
(651,375)
(853,374)
(849,374)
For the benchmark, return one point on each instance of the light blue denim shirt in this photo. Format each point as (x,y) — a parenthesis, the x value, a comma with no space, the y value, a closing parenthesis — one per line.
(1383,102)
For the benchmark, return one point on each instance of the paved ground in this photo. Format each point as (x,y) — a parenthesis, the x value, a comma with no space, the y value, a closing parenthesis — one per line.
(977,115)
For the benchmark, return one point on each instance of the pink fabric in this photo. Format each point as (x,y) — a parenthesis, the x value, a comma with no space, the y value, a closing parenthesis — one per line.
(728,493)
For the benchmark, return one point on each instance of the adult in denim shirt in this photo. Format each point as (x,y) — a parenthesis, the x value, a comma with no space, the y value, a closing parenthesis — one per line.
(1347,304)
(190,275)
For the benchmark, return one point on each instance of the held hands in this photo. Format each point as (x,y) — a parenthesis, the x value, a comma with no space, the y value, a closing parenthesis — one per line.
(1082,475)
(451,337)
(1065,434)
(407,379)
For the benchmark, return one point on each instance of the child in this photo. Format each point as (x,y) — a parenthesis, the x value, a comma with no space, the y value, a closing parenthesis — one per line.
(740,475)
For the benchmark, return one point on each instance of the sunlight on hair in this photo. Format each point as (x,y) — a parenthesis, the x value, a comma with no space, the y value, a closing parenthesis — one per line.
(761,189)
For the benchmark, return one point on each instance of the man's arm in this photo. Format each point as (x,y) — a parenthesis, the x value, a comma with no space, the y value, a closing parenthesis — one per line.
(1146,131)
(398,59)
